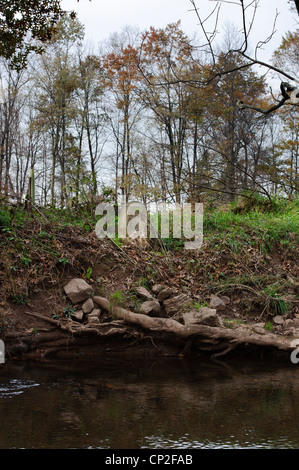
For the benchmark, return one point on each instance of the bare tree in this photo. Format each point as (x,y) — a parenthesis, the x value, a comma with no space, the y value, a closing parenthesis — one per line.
(289,87)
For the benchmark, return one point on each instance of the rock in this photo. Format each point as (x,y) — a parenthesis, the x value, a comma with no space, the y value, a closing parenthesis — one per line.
(93,317)
(78,315)
(151,307)
(217,303)
(278,320)
(292,323)
(93,321)
(87,306)
(143,292)
(78,290)
(165,294)
(174,304)
(225,299)
(157,288)
(203,316)
(96,312)
(295,323)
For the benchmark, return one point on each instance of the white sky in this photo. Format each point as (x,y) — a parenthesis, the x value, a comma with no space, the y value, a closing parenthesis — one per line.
(103,17)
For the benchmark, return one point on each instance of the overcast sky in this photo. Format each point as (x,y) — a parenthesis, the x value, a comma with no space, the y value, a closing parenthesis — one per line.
(103,17)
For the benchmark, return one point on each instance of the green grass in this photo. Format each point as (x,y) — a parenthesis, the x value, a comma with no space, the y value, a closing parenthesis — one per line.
(198,305)
(117,298)
(245,244)
(253,229)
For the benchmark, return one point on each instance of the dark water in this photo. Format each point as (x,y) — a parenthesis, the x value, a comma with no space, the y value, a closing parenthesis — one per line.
(134,404)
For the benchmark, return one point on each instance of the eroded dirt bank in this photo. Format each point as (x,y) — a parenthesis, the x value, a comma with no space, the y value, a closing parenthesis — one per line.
(212,302)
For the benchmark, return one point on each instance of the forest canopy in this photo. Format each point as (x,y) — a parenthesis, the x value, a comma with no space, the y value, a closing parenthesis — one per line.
(141,117)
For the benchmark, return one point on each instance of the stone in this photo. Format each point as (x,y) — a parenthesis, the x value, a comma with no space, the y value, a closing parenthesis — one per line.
(93,317)
(96,312)
(143,292)
(202,316)
(292,323)
(174,304)
(157,288)
(78,290)
(151,307)
(225,299)
(278,320)
(88,306)
(78,315)
(165,294)
(217,303)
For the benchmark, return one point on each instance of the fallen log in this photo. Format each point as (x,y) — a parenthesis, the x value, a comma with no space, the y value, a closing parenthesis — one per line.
(162,333)
(229,338)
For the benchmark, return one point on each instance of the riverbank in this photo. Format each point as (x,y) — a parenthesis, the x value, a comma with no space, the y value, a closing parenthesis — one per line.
(246,272)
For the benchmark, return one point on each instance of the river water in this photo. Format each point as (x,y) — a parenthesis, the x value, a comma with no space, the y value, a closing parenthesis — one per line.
(115,403)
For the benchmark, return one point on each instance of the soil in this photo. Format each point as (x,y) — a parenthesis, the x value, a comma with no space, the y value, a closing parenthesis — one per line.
(34,320)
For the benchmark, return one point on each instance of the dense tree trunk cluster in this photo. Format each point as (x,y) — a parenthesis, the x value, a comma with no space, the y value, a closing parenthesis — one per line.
(150,117)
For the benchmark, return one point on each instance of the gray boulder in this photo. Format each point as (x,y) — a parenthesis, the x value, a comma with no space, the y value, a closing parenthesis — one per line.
(165,294)
(151,307)
(93,317)
(88,306)
(143,292)
(202,316)
(78,290)
(157,288)
(218,303)
(174,304)
(78,315)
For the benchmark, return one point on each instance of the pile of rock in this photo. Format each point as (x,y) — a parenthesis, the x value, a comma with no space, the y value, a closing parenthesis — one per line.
(80,294)
(219,303)
(168,301)
(162,300)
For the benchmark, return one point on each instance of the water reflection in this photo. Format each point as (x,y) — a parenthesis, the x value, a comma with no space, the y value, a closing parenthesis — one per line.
(135,404)
(15,387)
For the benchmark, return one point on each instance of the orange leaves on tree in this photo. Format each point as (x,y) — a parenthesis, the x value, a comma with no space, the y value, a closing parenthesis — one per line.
(122,69)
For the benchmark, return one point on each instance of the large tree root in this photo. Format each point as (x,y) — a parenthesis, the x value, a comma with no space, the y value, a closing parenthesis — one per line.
(205,338)
(130,328)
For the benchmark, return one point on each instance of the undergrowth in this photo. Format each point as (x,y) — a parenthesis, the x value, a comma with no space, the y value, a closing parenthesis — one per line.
(253,228)
(241,244)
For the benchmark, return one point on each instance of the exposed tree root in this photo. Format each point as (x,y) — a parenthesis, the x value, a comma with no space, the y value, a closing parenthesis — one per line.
(225,339)
(128,326)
